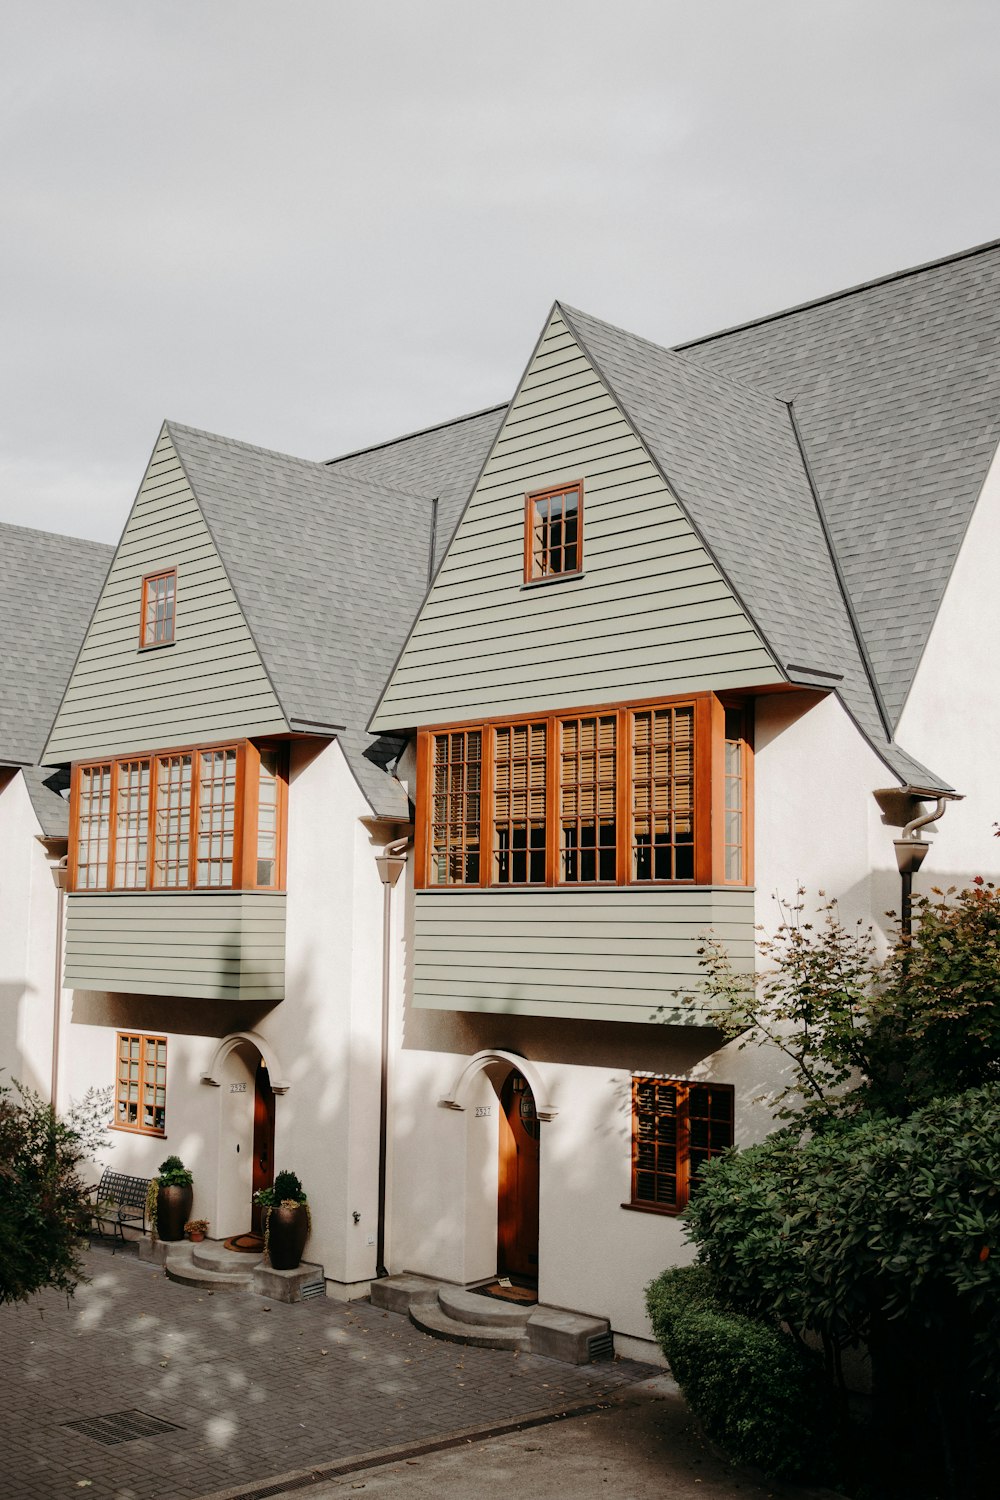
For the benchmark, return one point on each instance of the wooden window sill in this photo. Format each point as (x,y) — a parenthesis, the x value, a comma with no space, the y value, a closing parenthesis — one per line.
(156,646)
(654,1208)
(160,1135)
(540,583)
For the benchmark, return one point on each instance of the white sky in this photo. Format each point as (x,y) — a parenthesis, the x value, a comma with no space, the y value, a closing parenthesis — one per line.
(314,226)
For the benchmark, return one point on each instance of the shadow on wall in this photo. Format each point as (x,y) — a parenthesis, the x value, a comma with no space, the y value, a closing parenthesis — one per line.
(16,997)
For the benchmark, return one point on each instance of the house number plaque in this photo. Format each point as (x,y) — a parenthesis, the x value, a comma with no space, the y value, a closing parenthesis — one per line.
(237,1088)
(483,1110)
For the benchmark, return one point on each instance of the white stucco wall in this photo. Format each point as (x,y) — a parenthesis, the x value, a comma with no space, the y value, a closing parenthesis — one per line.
(951,719)
(28,916)
(325,1035)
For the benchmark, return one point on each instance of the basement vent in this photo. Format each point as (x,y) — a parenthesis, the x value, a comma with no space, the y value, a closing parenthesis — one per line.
(315,1288)
(600,1346)
(122,1427)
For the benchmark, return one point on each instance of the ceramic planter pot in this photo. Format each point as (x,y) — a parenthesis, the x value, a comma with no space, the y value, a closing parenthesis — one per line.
(173,1209)
(287,1231)
(195,1236)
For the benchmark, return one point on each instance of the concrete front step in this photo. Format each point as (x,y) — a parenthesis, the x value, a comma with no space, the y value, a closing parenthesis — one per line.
(431,1318)
(469,1307)
(446,1311)
(210,1266)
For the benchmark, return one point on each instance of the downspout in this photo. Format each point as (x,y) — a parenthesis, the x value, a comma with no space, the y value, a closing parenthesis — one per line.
(390,865)
(910,853)
(59,874)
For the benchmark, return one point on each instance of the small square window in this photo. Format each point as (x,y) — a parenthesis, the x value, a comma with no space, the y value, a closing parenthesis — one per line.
(553,543)
(676,1128)
(159,604)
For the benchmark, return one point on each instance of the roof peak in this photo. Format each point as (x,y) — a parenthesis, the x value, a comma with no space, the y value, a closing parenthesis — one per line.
(406,437)
(838,296)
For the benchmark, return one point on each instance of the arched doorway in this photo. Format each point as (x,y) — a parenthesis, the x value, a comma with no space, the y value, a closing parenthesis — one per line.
(246,1136)
(517,1181)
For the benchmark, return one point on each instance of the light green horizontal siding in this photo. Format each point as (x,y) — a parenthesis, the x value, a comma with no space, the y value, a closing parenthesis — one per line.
(652,614)
(225,945)
(604,954)
(209,684)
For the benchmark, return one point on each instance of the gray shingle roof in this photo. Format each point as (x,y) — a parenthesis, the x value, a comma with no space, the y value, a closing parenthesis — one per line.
(731,457)
(444,461)
(329,571)
(48,589)
(896,386)
(51,808)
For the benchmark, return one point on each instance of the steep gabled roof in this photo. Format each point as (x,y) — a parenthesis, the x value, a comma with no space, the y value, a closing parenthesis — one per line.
(49,585)
(328,571)
(443,461)
(896,386)
(732,457)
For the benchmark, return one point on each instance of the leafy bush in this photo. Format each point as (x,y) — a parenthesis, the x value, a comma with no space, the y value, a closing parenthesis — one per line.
(757,1391)
(287,1189)
(173,1173)
(44,1205)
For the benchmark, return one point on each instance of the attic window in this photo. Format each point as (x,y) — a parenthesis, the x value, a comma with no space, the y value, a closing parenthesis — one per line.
(159,598)
(553,532)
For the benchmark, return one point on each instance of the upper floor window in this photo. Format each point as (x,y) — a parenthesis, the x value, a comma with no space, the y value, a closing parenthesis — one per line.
(203,819)
(553,532)
(676,1128)
(159,607)
(631,795)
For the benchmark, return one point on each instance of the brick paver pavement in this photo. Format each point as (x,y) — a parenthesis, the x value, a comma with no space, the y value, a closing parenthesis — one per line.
(255,1388)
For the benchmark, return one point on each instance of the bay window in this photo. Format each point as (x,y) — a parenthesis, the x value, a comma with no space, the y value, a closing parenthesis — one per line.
(644,794)
(201,818)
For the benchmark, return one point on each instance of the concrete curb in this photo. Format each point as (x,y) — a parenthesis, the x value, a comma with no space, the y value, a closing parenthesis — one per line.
(301,1479)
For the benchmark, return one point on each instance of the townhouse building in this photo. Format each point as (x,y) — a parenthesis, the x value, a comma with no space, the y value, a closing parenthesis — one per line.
(673,633)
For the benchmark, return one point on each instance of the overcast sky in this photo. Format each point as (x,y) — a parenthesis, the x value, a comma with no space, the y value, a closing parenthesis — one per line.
(314,226)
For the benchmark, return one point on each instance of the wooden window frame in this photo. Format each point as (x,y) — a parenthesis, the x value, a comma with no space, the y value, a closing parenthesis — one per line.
(143,1039)
(684,1089)
(244,832)
(148,578)
(709,794)
(530,501)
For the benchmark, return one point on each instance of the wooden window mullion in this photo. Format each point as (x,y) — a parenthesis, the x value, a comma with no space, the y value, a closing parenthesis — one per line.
(553,751)
(706,821)
(245,794)
(193,821)
(486,779)
(423,834)
(623,797)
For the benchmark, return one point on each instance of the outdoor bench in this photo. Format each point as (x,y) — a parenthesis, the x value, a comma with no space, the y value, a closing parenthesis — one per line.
(119,1200)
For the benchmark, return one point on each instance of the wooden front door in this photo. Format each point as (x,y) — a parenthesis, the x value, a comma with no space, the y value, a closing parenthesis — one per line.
(263,1138)
(517,1205)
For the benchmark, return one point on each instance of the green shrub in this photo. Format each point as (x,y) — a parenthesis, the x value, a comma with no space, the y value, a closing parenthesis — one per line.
(756,1391)
(173,1173)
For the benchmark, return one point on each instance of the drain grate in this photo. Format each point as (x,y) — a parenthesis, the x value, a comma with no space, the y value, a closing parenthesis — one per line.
(122,1427)
(313,1289)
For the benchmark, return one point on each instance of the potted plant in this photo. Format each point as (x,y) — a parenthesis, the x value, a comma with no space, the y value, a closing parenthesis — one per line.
(170,1198)
(285,1220)
(196,1230)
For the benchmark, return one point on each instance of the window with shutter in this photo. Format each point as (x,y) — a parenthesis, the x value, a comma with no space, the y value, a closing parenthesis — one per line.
(519,770)
(676,1128)
(644,794)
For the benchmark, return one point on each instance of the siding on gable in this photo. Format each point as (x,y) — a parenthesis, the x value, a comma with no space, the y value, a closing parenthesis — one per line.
(212,945)
(208,685)
(652,613)
(605,954)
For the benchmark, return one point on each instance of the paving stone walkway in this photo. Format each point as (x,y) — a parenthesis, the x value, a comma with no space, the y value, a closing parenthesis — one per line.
(253,1389)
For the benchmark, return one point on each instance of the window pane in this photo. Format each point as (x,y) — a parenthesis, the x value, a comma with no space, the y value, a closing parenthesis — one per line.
(519,805)
(141,1088)
(663,794)
(457,787)
(735,772)
(93,828)
(587,792)
(216,817)
(131,824)
(173,820)
(554,533)
(267,819)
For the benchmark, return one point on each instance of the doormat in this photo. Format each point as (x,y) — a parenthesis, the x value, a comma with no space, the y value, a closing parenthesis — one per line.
(246,1244)
(509,1293)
